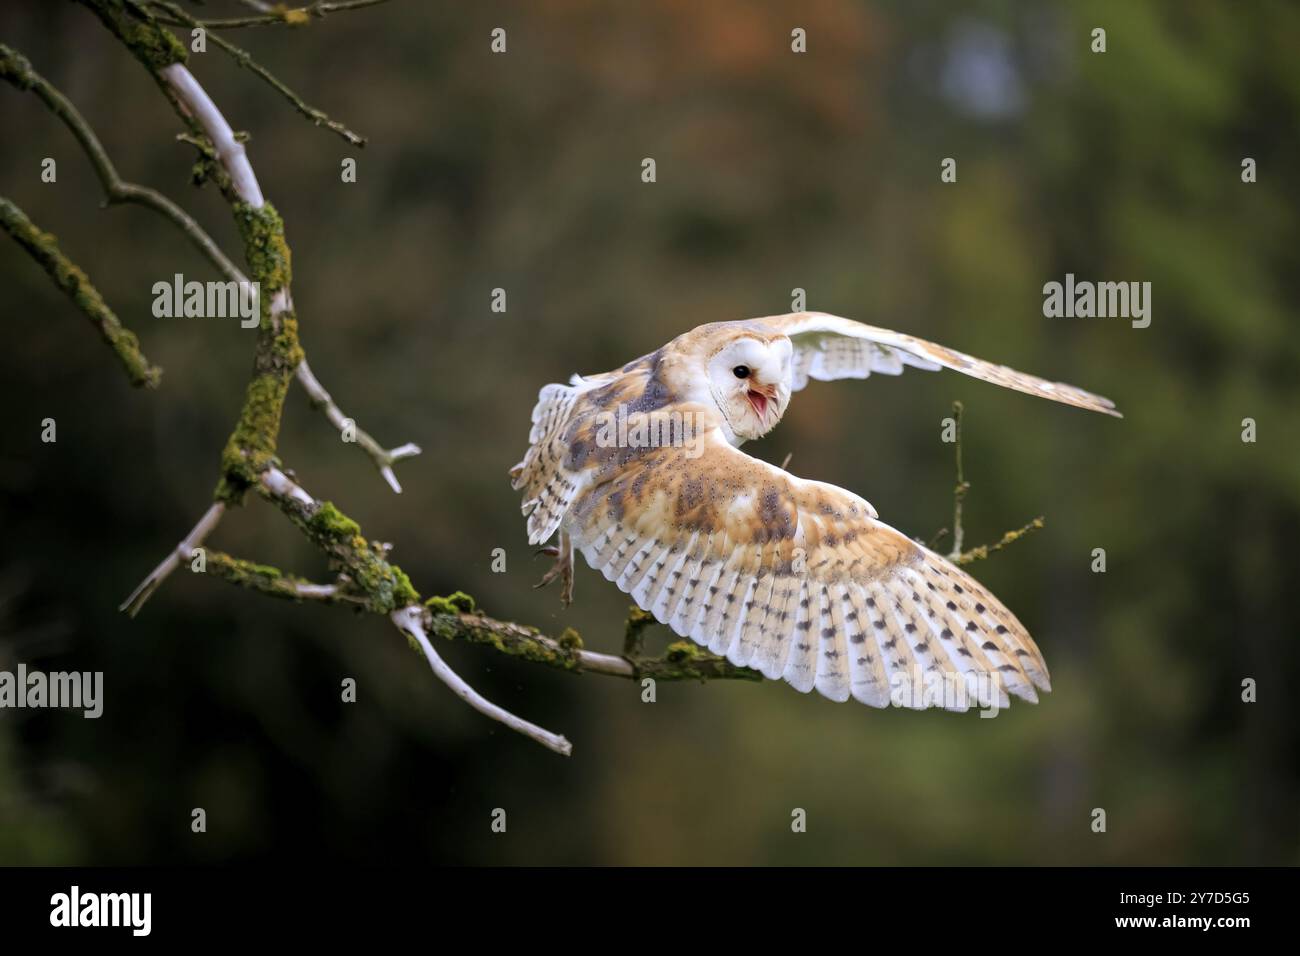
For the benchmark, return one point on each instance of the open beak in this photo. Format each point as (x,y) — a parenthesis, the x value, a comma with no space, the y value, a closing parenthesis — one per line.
(760,398)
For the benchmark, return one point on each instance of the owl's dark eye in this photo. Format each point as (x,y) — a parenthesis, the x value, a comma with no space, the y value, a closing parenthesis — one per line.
(741,371)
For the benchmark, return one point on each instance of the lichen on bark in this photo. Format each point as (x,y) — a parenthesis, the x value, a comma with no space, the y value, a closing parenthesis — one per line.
(44,248)
(135,26)
(249,574)
(364,568)
(251,448)
(515,640)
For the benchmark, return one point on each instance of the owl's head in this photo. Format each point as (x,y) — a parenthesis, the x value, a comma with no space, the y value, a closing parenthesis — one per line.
(749,378)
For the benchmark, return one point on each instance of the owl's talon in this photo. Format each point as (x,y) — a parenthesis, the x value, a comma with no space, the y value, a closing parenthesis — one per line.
(562,569)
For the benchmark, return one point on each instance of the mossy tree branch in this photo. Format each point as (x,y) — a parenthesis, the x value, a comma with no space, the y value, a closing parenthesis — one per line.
(16,69)
(43,247)
(1010,537)
(245,59)
(271,581)
(251,448)
(378,585)
(131,23)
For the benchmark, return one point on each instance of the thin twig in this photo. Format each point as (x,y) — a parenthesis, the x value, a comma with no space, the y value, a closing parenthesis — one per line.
(957,555)
(279,15)
(959,492)
(634,631)
(272,581)
(15,68)
(410,621)
(384,458)
(43,247)
(984,550)
(245,59)
(182,552)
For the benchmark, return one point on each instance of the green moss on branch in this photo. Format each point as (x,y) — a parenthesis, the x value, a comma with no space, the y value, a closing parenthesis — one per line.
(515,640)
(44,248)
(245,59)
(16,69)
(449,619)
(363,566)
(257,577)
(634,631)
(455,603)
(682,660)
(152,44)
(1010,537)
(251,448)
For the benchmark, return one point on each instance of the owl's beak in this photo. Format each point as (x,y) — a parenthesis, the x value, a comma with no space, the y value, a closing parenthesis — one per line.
(759,398)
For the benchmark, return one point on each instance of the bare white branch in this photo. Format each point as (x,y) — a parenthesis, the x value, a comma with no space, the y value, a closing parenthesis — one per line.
(230,152)
(282,486)
(593,662)
(315,592)
(410,620)
(383,458)
(182,552)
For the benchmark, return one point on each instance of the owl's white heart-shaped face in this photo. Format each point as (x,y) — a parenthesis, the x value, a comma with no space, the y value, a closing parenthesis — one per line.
(749,380)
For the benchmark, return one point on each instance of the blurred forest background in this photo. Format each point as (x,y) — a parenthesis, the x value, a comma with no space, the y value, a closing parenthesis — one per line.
(775,171)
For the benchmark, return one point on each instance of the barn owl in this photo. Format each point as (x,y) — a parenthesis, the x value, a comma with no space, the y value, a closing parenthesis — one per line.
(640,469)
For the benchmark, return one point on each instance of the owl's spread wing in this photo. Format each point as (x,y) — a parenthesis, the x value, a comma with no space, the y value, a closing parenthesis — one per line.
(548,482)
(827,347)
(567,453)
(799,580)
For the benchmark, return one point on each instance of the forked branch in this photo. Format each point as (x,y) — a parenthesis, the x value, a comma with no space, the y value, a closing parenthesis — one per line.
(957,555)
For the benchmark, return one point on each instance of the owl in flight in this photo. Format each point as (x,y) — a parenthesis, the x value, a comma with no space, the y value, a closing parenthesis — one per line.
(641,470)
